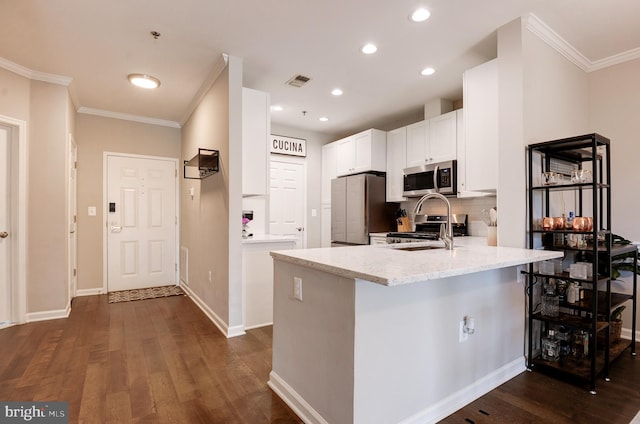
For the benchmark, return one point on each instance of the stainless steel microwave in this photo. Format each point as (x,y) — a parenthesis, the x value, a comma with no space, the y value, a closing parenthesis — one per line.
(439,177)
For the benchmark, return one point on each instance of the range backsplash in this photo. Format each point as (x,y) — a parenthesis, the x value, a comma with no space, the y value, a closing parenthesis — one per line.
(471,206)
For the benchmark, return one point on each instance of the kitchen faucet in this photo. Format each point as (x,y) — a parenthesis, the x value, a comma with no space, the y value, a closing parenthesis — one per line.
(446,236)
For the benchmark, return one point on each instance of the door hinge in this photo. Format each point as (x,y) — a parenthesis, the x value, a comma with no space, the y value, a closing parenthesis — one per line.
(75,272)
(75,219)
(175,172)
(75,164)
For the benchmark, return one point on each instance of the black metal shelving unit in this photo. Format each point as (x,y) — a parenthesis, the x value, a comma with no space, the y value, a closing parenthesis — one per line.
(202,165)
(591,198)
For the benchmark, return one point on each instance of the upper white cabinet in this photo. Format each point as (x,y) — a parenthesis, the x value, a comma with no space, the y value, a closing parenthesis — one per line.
(329,170)
(480,91)
(396,162)
(256,127)
(432,140)
(365,151)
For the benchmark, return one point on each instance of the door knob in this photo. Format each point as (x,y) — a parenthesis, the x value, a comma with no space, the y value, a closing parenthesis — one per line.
(300,228)
(116,229)
(4,234)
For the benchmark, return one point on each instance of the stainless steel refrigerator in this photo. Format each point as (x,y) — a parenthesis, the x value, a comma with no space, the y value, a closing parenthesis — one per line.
(358,208)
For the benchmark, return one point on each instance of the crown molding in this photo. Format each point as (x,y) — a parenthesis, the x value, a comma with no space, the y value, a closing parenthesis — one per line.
(217,69)
(34,75)
(553,39)
(127,117)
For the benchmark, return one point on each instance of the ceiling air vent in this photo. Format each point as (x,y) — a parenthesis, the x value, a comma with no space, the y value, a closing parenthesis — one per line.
(298,81)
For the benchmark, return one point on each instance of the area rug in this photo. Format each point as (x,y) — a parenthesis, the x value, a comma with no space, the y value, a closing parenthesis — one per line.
(140,294)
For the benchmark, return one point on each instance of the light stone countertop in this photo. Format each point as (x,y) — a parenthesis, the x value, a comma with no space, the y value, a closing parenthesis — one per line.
(390,266)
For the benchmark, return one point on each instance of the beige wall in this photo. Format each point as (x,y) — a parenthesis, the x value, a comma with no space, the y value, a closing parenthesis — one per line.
(211,221)
(14,95)
(614,104)
(94,136)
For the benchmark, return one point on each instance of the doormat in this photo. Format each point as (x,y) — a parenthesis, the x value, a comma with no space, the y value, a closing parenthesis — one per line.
(140,294)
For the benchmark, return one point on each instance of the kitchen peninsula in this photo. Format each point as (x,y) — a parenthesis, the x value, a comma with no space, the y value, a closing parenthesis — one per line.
(370,334)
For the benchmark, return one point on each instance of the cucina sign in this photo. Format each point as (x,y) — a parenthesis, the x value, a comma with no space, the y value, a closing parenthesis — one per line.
(288,146)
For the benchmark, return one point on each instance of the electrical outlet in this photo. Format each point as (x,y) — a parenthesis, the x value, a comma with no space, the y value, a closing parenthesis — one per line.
(297,288)
(520,271)
(462,336)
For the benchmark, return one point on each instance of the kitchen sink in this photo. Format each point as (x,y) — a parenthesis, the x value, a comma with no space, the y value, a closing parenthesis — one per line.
(413,248)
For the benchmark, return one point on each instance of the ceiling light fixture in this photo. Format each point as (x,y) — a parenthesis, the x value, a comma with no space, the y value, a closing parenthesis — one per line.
(144,81)
(427,71)
(369,48)
(276,108)
(323,119)
(336,92)
(420,15)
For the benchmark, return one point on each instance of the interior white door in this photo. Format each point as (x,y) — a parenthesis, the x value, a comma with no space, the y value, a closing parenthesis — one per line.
(73,219)
(141,223)
(5,231)
(287,199)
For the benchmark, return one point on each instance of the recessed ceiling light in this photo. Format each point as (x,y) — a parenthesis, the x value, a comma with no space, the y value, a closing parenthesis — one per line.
(276,108)
(336,92)
(427,71)
(144,81)
(369,48)
(420,15)
(323,119)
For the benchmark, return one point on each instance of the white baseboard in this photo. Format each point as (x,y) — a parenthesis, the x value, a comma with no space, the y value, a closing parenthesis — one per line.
(626,334)
(297,404)
(47,315)
(253,327)
(461,398)
(90,292)
(228,332)
(432,414)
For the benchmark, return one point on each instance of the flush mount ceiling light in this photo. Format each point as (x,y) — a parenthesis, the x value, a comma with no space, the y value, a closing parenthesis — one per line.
(420,15)
(323,119)
(276,108)
(369,48)
(427,71)
(336,92)
(144,81)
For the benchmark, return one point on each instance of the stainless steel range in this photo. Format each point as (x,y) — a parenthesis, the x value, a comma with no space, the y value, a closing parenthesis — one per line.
(428,228)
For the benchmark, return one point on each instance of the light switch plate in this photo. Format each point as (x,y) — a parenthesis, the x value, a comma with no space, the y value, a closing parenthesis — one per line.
(91,210)
(297,288)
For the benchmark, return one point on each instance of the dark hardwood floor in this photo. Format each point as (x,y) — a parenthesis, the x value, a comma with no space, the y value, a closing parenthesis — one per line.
(163,361)
(151,361)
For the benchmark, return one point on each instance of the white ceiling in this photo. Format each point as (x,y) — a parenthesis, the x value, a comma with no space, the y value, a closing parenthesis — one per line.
(97,43)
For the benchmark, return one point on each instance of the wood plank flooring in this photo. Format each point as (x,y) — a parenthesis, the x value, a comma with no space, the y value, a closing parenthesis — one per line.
(163,361)
(149,361)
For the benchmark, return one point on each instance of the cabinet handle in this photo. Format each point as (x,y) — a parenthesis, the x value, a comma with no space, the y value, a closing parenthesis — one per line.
(4,234)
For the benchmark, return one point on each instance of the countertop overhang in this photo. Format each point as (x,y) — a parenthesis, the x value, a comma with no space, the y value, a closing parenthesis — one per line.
(390,266)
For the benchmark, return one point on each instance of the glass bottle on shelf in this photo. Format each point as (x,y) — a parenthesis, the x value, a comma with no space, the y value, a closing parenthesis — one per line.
(580,347)
(551,347)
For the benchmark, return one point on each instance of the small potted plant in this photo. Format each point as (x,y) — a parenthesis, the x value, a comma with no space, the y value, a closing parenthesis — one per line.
(615,326)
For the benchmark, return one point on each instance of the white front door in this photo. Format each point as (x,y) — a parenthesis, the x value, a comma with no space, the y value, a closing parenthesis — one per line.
(287,200)
(5,231)
(141,222)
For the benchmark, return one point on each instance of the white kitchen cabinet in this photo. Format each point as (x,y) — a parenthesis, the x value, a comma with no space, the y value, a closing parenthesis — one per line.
(417,151)
(256,128)
(396,162)
(480,94)
(329,169)
(362,152)
(442,137)
(432,140)
(463,192)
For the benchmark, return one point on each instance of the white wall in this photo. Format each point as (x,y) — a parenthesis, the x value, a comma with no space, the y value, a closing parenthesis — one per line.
(542,96)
